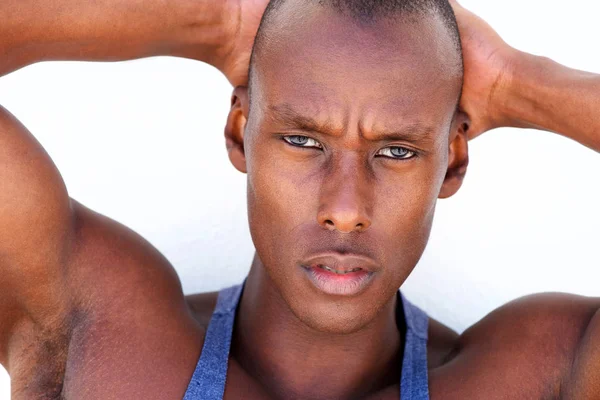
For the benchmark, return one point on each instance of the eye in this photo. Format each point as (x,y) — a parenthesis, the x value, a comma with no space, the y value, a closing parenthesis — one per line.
(397,153)
(302,141)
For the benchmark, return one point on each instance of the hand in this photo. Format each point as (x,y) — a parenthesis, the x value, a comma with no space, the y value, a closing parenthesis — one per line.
(488,61)
(245,17)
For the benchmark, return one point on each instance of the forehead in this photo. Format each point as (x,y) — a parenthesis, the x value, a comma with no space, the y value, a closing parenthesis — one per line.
(328,65)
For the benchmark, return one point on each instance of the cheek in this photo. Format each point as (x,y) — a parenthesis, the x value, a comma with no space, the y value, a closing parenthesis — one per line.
(283,199)
(282,196)
(405,206)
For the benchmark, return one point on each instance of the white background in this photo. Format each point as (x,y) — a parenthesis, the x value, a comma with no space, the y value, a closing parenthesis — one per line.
(142,142)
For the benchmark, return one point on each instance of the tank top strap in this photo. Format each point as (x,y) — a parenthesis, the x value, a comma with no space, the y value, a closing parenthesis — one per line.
(208,381)
(414,381)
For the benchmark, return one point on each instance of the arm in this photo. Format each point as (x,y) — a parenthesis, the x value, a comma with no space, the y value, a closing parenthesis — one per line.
(219,32)
(39,224)
(543,94)
(69,277)
(37,229)
(504,87)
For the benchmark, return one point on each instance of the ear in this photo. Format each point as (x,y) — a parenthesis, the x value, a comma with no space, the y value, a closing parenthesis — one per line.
(234,129)
(458,155)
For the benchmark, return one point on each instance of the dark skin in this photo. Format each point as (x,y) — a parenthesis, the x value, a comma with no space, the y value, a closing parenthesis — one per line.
(87,305)
(364,201)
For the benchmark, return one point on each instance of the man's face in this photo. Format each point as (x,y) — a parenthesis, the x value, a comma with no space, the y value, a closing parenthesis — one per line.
(346,147)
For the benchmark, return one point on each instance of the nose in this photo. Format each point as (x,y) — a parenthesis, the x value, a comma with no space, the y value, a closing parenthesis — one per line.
(345,203)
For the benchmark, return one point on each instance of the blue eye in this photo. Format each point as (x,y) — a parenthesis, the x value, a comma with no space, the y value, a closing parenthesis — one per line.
(397,153)
(302,141)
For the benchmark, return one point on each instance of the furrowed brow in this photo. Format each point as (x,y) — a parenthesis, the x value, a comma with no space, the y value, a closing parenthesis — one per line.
(409,133)
(286,115)
(415,132)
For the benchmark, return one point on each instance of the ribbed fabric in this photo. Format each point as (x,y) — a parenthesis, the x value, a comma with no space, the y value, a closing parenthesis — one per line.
(414,383)
(208,381)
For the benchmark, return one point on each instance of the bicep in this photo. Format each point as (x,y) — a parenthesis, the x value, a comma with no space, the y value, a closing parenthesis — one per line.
(34,228)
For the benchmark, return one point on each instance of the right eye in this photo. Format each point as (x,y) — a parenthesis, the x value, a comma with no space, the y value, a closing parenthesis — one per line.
(302,141)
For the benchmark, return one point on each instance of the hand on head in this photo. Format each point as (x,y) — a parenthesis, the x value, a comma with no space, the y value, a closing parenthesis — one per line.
(244,20)
(488,61)
(488,67)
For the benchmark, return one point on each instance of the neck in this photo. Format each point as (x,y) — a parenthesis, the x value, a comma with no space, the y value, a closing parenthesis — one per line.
(291,360)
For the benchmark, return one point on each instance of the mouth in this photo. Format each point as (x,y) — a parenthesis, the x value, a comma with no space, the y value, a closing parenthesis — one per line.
(339,275)
(337,271)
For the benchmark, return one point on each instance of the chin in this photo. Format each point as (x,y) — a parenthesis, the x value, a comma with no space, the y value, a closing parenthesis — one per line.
(332,314)
(337,324)
(336,316)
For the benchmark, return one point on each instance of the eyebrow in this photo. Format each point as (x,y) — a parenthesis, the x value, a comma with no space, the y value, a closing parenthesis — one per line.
(286,115)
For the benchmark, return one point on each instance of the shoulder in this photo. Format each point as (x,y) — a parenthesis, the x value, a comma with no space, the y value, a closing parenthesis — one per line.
(533,341)
(129,309)
(536,316)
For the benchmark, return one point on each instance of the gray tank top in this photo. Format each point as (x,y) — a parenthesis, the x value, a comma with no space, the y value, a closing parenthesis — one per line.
(208,381)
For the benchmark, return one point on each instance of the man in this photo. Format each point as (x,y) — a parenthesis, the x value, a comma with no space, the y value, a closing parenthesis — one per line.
(349,132)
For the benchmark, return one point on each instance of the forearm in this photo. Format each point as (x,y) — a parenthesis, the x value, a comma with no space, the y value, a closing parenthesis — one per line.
(109,30)
(543,94)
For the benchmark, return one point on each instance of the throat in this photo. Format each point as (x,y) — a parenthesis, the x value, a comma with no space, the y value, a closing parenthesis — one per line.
(306,372)
(289,360)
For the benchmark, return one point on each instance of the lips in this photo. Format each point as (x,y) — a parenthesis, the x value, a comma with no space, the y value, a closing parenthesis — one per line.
(341,275)
(338,263)
(337,271)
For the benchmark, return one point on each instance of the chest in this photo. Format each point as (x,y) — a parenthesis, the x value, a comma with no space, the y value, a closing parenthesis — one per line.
(240,385)
(448,382)
(461,380)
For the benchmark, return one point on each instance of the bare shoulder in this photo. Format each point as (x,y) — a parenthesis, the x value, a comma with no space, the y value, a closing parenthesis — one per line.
(126,308)
(544,315)
(82,297)
(528,348)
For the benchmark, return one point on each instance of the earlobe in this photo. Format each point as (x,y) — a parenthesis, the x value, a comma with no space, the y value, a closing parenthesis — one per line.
(458,156)
(234,129)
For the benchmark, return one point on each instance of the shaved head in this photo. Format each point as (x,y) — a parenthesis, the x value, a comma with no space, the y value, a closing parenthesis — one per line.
(361,12)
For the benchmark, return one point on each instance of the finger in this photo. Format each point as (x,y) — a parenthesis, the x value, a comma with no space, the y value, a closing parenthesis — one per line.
(456,5)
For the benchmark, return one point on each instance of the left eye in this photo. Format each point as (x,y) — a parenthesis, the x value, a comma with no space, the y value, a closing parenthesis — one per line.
(302,141)
(396,152)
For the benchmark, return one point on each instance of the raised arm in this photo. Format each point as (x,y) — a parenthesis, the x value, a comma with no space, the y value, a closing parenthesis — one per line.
(505,87)
(219,32)
(543,94)
(50,245)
